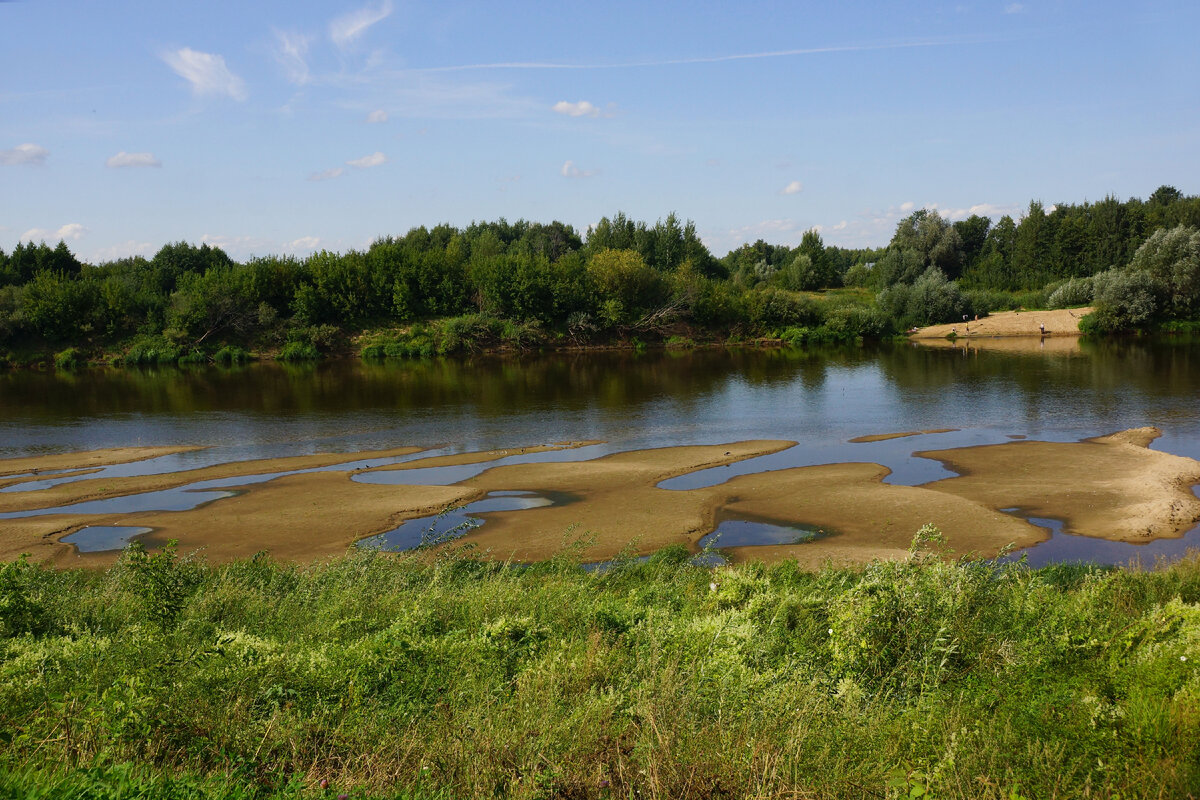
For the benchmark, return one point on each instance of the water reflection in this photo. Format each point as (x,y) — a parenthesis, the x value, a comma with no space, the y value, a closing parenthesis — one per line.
(456,522)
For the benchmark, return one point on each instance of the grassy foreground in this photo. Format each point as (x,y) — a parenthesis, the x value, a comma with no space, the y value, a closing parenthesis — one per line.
(423,677)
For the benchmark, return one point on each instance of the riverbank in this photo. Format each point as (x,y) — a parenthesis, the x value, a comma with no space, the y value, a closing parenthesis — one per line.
(422,678)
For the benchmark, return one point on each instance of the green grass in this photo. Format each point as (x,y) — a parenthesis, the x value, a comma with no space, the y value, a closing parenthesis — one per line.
(424,677)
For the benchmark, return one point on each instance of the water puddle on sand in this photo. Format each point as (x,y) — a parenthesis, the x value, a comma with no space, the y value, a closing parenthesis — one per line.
(753,533)
(457,522)
(98,538)
(1068,548)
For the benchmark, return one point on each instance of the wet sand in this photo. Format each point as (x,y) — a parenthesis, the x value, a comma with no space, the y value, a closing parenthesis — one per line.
(459,459)
(1111,487)
(1058,322)
(883,437)
(87,459)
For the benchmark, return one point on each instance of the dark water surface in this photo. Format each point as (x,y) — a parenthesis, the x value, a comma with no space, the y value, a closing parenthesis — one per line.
(819,398)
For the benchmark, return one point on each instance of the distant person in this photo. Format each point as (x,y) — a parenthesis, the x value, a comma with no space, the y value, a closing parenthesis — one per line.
(1042,328)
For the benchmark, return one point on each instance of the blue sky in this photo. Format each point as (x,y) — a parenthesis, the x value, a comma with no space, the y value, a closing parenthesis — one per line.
(274,127)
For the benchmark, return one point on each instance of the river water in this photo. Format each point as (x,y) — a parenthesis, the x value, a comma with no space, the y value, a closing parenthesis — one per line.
(820,398)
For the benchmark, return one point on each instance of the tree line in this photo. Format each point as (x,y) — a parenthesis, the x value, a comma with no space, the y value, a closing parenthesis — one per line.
(527,281)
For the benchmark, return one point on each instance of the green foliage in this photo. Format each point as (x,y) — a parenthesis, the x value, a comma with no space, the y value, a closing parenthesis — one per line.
(68,359)
(931,299)
(1071,293)
(150,351)
(231,355)
(1125,300)
(21,612)
(299,351)
(162,580)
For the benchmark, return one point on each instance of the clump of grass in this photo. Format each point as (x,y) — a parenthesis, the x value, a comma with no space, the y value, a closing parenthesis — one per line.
(440,674)
(68,359)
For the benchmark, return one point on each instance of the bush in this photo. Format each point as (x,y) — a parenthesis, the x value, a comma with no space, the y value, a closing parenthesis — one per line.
(1071,293)
(67,359)
(299,351)
(1125,300)
(150,351)
(231,355)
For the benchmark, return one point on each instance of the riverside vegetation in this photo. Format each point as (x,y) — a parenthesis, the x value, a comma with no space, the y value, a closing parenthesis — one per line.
(441,675)
(501,285)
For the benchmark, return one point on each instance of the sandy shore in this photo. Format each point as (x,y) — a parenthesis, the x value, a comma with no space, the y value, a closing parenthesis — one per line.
(1057,322)
(103,488)
(87,459)
(883,437)
(1112,487)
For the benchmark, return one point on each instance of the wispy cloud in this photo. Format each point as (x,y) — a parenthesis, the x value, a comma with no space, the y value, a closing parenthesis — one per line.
(327,174)
(72,230)
(291,53)
(305,244)
(795,187)
(569,170)
(1014,8)
(206,72)
(581,109)
(373,160)
(349,27)
(123,159)
(376,117)
(24,154)
(669,62)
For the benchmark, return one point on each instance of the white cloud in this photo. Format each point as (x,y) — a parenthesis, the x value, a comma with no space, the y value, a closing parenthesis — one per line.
(909,206)
(302,245)
(841,226)
(377,116)
(373,160)
(569,170)
(347,28)
(327,174)
(291,51)
(982,209)
(581,109)
(72,230)
(206,72)
(239,247)
(123,159)
(1014,8)
(795,187)
(24,154)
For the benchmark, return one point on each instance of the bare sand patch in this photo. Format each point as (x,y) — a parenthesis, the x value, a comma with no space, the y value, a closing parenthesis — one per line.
(619,502)
(619,505)
(1111,487)
(1057,322)
(87,459)
(459,459)
(881,437)
(103,488)
(871,519)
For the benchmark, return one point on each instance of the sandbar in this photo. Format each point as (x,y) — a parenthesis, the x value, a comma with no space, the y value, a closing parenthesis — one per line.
(102,488)
(1057,322)
(459,459)
(87,459)
(882,437)
(1111,487)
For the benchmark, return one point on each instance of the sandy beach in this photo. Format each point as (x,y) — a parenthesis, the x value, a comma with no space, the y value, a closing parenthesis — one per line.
(1057,322)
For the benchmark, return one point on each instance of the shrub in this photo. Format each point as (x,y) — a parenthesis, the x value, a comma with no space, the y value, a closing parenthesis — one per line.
(231,355)
(1071,293)
(299,351)
(67,359)
(1125,299)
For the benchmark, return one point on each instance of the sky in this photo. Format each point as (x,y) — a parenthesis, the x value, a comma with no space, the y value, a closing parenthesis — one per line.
(290,127)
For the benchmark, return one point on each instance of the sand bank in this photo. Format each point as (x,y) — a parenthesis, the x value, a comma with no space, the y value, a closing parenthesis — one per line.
(1112,487)
(102,488)
(87,459)
(459,459)
(1058,322)
(882,437)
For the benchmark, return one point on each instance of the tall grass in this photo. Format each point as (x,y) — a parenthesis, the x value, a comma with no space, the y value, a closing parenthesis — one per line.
(422,676)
